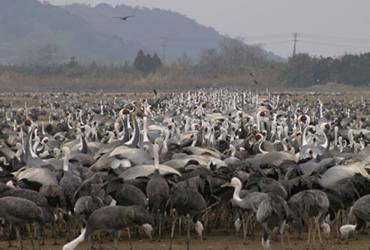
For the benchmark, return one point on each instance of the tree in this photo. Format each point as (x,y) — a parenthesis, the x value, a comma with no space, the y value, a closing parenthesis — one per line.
(233,50)
(237,56)
(299,70)
(72,62)
(209,63)
(321,69)
(147,63)
(255,54)
(139,62)
(157,63)
(46,55)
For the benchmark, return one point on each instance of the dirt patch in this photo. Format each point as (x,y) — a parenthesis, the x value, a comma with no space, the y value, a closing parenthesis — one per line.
(218,240)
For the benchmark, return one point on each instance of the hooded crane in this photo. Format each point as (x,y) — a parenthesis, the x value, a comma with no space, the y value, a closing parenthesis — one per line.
(70,182)
(272,212)
(36,197)
(86,205)
(114,219)
(361,211)
(315,204)
(19,211)
(157,190)
(125,194)
(186,201)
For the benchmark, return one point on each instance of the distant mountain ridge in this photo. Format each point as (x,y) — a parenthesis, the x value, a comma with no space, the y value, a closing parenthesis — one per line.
(27,26)
(153,28)
(30,29)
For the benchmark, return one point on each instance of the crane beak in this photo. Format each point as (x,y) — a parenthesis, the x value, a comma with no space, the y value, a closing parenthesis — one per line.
(227,184)
(250,137)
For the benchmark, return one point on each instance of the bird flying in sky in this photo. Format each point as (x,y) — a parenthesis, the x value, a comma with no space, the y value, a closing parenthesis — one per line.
(123,17)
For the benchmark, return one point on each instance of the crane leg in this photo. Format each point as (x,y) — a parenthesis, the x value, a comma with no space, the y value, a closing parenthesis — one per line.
(172,231)
(160,227)
(129,237)
(19,240)
(180,225)
(34,230)
(8,232)
(205,219)
(89,242)
(309,233)
(337,225)
(245,226)
(217,216)
(99,240)
(287,232)
(318,230)
(42,238)
(266,237)
(69,228)
(281,231)
(188,235)
(252,224)
(39,236)
(115,239)
(32,245)
(54,228)
(313,232)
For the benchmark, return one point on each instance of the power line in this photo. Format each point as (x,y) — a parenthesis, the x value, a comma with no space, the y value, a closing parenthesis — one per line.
(268,36)
(307,38)
(333,44)
(264,38)
(335,38)
(277,42)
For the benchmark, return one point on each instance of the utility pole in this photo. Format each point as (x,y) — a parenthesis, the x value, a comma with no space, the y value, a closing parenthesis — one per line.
(164,45)
(295,43)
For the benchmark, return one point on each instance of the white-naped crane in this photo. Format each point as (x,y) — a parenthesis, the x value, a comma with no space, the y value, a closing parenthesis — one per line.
(248,204)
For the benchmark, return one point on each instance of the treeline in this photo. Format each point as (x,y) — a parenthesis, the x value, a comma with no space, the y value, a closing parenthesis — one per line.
(233,64)
(147,63)
(302,70)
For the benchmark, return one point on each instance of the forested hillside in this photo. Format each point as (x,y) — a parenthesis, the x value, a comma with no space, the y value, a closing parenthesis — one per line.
(31,30)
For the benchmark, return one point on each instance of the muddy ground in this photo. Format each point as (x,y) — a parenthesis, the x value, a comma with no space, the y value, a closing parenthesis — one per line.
(217,240)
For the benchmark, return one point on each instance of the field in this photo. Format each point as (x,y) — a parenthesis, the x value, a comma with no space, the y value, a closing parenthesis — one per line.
(218,240)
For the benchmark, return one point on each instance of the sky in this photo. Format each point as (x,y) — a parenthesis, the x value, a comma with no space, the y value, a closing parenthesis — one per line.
(322,27)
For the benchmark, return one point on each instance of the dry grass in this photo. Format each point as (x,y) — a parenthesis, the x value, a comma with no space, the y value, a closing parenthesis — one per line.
(169,81)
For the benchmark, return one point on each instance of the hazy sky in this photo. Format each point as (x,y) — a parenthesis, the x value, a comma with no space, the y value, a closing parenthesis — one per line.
(324,27)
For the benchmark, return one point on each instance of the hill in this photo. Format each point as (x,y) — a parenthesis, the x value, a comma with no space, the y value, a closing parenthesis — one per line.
(153,28)
(32,31)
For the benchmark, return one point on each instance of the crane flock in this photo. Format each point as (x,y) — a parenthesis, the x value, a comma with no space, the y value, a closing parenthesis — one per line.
(87,162)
